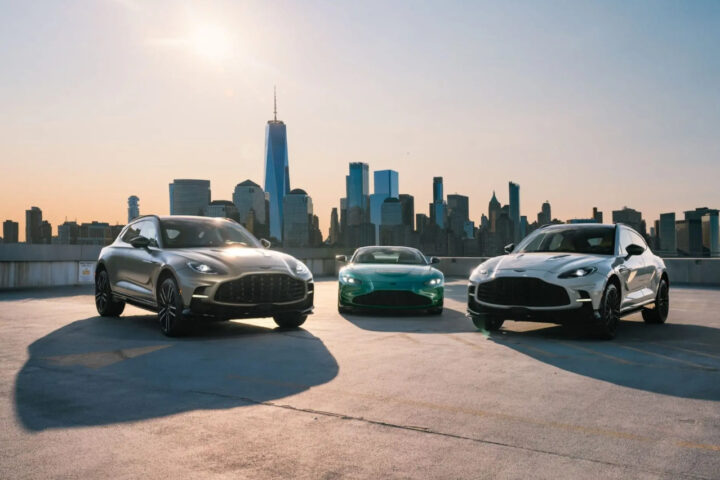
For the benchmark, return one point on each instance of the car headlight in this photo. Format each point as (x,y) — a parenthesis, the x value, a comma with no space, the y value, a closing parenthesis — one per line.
(434,282)
(348,279)
(578,272)
(200,267)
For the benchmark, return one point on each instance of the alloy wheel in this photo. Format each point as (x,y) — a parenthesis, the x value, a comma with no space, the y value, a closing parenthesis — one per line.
(168,306)
(102,291)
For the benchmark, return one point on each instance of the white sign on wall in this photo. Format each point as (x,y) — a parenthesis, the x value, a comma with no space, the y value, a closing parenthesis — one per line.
(86,272)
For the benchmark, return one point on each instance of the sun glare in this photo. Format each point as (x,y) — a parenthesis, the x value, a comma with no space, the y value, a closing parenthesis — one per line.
(212,42)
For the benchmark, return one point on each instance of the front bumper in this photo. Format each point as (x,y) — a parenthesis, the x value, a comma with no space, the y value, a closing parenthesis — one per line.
(578,315)
(200,308)
(583,300)
(204,303)
(389,297)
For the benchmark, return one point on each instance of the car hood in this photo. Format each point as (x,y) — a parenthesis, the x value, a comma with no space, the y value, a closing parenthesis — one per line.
(379,271)
(239,259)
(542,261)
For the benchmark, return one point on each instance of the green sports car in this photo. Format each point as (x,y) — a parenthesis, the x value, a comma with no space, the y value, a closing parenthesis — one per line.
(396,278)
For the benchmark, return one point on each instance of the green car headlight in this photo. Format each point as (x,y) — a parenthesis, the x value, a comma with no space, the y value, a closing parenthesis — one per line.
(434,282)
(347,279)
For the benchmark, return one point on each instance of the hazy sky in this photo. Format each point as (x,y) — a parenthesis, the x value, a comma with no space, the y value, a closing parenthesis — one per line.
(582,103)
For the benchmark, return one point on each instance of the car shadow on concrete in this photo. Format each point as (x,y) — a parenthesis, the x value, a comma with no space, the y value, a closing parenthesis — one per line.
(100,371)
(672,359)
(408,321)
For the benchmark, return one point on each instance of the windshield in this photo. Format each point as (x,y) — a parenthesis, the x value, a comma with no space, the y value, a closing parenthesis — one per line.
(589,240)
(198,233)
(403,256)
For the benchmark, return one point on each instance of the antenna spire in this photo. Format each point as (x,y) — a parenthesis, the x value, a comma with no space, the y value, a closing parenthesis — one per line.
(275,102)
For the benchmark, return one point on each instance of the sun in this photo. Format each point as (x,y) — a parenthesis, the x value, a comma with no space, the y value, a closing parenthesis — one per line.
(212,42)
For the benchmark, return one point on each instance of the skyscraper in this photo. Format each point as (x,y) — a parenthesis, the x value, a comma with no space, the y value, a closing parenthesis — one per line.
(545,215)
(438,207)
(133,207)
(334,234)
(189,196)
(515,210)
(249,199)
(667,234)
(630,217)
(597,215)
(494,208)
(221,209)
(297,219)
(711,233)
(408,210)
(458,212)
(386,186)
(277,171)
(10,231)
(356,186)
(33,225)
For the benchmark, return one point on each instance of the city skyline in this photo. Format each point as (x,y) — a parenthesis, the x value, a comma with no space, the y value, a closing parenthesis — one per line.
(133,110)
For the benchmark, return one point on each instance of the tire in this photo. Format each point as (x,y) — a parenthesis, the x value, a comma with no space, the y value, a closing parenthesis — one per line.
(172,321)
(290,320)
(609,313)
(488,322)
(659,314)
(106,305)
(435,311)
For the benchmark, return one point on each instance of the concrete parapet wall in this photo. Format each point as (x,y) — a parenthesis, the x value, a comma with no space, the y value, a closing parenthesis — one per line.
(23,266)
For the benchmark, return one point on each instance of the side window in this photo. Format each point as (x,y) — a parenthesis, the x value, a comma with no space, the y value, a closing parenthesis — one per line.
(638,240)
(132,232)
(149,231)
(625,240)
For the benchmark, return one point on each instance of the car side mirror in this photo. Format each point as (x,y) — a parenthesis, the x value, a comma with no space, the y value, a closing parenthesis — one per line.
(509,247)
(265,243)
(434,260)
(341,258)
(140,242)
(634,249)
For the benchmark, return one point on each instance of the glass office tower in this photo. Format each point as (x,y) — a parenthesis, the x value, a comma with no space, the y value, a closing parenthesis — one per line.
(277,173)
(515,211)
(386,186)
(356,185)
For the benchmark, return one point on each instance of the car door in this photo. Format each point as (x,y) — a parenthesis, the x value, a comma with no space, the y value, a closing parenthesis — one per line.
(630,270)
(646,276)
(119,264)
(143,262)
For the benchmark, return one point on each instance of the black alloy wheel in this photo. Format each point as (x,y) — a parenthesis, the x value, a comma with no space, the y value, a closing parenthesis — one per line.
(106,305)
(660,313)
(170,316)
(609,313)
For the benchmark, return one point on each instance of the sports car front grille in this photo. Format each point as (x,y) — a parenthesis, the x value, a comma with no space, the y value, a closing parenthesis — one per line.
(527,292)
(261,288)
(392,298)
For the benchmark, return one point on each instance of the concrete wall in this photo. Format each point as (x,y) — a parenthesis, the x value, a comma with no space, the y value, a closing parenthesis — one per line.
(24,266)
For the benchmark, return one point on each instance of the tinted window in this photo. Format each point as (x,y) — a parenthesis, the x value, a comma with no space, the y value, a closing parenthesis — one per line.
(149,231)
(403,256)
(588,240)
(625,240)
(132,232)
(638,240)
(198,233)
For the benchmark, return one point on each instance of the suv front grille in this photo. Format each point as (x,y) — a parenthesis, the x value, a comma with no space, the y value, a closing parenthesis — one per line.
(261,288)
(526,292)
